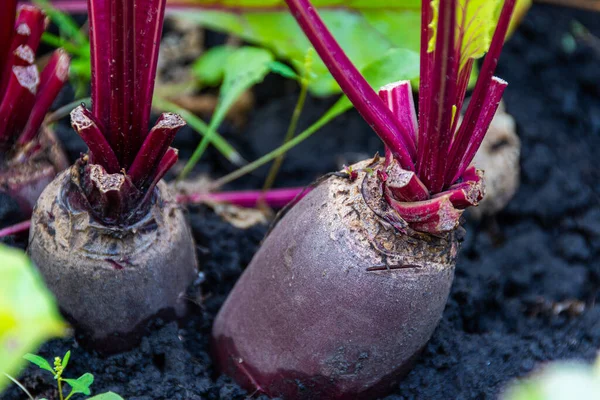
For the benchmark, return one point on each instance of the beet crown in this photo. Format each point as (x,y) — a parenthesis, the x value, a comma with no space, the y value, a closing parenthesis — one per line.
(25,95)
(428,179)
(126,160)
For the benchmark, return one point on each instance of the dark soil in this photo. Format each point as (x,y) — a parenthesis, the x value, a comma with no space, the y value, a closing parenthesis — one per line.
(515,273)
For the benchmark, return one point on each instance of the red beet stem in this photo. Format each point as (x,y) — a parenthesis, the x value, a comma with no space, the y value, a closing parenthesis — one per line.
(464,76)
(149,25)
(29,27)
(124,36)
(443,151)
(463,195)
(53,78)
(433,216)
(442,77)
(14,229)
(7,23)
(398,97)
(482,124)
(478,104)
(154,148)
(425,89)
(354,85)
(88,128)
(18,101)
(168,160)
(405,185)
(275,198)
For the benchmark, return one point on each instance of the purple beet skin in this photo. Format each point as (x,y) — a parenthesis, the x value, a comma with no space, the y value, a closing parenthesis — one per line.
(336,304)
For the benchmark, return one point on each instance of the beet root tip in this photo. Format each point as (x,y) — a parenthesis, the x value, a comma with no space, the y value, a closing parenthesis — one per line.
(337,303)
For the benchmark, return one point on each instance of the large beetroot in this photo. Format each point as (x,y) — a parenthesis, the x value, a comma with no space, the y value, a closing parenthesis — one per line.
(350,284)
(30,156)
(110,241)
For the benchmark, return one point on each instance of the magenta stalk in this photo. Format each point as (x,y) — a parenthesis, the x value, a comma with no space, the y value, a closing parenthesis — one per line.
(274,198)
(15,229)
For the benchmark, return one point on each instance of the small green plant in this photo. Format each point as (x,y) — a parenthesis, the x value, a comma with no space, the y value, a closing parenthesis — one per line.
(80,385)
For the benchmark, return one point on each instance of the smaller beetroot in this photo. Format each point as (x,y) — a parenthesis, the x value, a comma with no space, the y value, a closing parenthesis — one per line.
(30,156)
(110,241)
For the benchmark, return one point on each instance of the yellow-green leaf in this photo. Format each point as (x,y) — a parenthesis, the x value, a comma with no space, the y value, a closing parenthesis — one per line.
(28,313)
(366,29)
(477,21)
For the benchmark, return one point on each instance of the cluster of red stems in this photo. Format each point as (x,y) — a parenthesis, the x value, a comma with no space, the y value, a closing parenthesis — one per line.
(126,160)
(428,179)
(25,94)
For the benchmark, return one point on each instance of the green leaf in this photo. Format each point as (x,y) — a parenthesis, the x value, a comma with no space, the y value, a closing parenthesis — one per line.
(210,67)
(65,360)
(366,29)
(28,313)
(67,25)
(283,69)
(478,20)
(395,65)
(202,128)
(244,68)
(81,384)
(39,361)
(106,396)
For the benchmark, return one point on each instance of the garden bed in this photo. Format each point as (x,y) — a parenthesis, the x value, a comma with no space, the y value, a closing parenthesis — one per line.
(526,281)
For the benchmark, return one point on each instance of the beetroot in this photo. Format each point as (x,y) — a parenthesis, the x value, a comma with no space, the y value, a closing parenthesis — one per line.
(108,238)
(30,156)
(351,283)
(300,322)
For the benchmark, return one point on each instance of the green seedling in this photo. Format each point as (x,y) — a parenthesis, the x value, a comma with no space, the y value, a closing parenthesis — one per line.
(80,385)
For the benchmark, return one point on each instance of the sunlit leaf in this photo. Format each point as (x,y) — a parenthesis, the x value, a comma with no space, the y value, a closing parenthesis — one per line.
(366,29)
(210,67)
(28,313)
